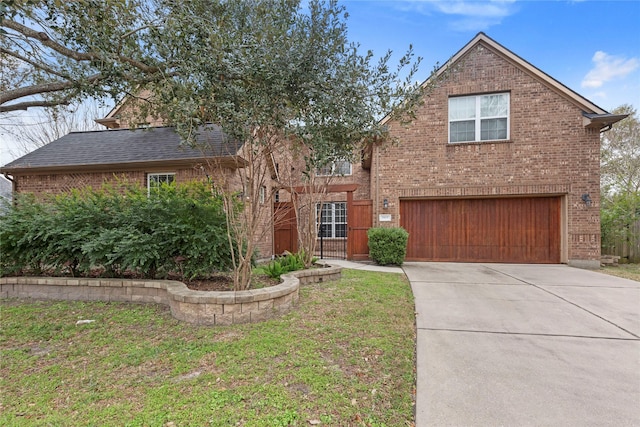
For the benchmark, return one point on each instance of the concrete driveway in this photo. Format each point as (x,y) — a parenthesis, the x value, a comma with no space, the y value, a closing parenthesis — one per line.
(525,345)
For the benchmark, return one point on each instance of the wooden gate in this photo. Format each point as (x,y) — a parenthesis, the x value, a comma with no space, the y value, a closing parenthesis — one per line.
(360,219)
(285,229)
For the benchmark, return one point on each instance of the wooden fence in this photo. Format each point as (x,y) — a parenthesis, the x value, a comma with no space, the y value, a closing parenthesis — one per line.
(625,246)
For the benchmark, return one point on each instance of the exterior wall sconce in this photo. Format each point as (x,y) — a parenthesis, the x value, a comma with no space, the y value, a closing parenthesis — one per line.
(385,203)
(586,199)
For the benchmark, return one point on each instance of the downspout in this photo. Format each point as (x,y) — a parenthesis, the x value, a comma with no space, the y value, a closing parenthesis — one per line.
(14,187)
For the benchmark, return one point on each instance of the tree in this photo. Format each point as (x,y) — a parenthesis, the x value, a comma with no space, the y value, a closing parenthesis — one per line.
(620,153)
(54,52)
(267,71)
(620,182)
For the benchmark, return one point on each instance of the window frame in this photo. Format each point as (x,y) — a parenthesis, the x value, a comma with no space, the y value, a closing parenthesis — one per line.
(342,214)
(158,174)
(330,169)
(478,118)
(262,194)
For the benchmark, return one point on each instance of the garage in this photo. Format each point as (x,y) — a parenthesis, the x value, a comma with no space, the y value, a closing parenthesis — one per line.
(510,230)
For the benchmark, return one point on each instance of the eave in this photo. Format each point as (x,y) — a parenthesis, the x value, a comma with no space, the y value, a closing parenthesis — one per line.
(108,122)
(231,162)
(601,121)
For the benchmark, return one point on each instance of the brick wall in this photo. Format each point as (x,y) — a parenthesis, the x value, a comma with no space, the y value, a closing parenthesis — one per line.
(549,151)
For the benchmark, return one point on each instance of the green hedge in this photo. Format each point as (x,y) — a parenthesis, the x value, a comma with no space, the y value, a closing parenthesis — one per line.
(388,245)
(117,231)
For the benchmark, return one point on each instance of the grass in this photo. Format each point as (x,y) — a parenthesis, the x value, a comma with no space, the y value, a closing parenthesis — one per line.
(628,271)
(343,357)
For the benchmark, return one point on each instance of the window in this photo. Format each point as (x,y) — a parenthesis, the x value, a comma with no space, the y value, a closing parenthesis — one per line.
(155,181)
(479,118)
(332,219)
(262,194)
(339,167)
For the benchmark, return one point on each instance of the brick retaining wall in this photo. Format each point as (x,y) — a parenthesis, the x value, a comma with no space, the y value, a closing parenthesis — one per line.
(198,307)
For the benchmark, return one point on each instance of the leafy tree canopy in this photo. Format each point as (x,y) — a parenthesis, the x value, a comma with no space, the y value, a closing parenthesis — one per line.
(55,52)
(620,154)
(259,68)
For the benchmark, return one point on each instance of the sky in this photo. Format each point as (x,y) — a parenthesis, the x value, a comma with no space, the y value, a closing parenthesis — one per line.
(592,47)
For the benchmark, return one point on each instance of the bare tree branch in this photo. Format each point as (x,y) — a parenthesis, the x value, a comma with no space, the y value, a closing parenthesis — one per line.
(23,106)
(22,92)
(43,38)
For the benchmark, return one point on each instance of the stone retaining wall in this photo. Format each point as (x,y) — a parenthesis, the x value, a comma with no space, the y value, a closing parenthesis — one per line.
(198,307)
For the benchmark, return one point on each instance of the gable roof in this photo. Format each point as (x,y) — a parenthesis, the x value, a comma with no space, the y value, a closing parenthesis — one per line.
(593,115)
(124,148)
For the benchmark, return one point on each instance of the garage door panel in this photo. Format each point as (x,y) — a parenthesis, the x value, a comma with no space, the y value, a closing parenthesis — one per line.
(483,230)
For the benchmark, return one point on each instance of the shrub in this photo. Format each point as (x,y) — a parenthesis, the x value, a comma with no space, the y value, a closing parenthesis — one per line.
(182,230)
(285,264)
(388,245)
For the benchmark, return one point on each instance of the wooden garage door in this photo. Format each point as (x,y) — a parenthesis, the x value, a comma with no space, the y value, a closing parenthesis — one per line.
(517,230)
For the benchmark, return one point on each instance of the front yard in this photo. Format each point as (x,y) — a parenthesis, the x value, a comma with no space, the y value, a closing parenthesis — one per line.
(344,356)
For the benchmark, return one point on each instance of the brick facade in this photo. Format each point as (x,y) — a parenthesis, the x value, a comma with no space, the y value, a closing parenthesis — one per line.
(550,151)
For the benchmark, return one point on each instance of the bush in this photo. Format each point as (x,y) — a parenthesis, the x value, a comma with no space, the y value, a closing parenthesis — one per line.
(388,245)
(180,230)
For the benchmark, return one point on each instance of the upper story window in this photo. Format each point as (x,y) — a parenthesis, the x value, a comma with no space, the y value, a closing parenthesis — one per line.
(479,118)
(262,194)
(339,167)
(156,180)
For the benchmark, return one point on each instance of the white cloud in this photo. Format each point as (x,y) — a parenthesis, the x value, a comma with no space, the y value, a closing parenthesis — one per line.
(472,15)
(608,67)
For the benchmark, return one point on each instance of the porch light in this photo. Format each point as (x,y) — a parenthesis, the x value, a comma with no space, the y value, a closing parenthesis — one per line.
(586,199)
(385,203)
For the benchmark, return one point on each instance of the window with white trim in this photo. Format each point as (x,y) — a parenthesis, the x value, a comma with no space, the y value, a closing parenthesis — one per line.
(156,180)
(262,194)
(479,118)
(332,219)
(339,167)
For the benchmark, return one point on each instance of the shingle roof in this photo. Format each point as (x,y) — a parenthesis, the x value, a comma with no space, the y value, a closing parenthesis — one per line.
(122,146)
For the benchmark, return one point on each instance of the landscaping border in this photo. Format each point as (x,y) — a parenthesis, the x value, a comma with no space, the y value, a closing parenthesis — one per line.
(198,307)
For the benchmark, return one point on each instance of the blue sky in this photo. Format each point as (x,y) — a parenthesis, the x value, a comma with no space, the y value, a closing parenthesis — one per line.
(593,47)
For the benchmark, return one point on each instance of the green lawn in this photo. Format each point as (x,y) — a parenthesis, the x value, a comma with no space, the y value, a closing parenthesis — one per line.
(343,357)
(628,271)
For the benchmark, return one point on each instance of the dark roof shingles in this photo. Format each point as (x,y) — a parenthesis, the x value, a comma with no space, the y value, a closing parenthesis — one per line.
(122,146)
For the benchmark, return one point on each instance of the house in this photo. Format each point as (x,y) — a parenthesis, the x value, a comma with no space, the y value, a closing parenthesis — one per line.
(148,157)
(500,165)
